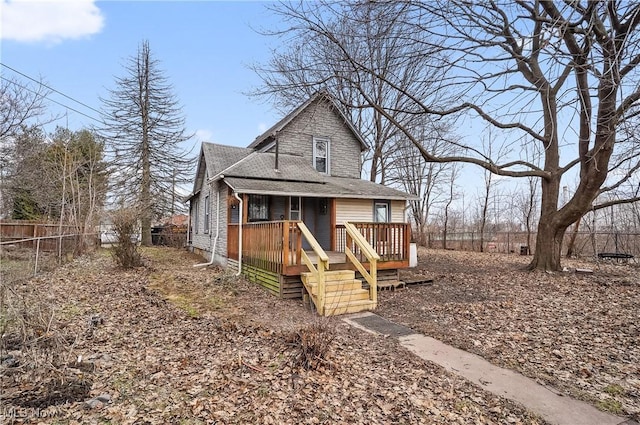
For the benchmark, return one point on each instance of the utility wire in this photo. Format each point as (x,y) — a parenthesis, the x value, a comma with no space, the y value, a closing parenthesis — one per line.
(52,89)
(50,100)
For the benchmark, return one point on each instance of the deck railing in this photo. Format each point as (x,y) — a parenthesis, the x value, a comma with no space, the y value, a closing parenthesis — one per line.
(356,242)
(390,240)
(272,245)
(318,269)
(277,245)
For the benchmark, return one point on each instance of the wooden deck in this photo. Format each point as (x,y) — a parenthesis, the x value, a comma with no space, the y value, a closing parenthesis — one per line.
(272,256)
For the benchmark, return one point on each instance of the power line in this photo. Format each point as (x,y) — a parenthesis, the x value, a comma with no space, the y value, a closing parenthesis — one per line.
(50,100)
(52,89)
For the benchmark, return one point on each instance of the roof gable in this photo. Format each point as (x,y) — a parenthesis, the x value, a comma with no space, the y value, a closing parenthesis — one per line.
(268,135)
(214,159)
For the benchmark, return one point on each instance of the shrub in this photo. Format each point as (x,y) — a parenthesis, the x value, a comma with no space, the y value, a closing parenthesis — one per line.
(126,227)
(312,343)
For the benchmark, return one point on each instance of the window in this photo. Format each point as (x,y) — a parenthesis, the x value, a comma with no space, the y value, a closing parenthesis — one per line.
(321,154)
(195,216)
(258,208)
(294,208)
(381,211)
(207,207)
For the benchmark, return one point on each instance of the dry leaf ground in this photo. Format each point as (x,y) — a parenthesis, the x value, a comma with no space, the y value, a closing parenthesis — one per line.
(171,344)
(579,333)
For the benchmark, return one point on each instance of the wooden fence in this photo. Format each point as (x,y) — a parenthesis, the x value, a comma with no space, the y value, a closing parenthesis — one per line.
(28,233)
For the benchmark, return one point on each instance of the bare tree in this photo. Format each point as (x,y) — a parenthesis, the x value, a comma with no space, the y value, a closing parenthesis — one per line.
(310,62)
(144,130)
(562,76)
(20,103)
(428,180)
(451,196)
(75,162)
(526,202)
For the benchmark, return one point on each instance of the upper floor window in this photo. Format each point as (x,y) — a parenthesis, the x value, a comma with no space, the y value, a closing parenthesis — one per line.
(321,154)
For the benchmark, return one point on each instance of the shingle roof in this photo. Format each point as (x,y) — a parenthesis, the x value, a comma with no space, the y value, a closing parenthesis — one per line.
(262,165)
(334,187)
(220,157)
(324,96)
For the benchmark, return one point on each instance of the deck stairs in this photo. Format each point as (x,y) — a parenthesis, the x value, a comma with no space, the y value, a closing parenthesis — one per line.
(343,293)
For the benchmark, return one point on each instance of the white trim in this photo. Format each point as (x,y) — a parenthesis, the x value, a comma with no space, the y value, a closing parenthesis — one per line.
(326,140)
(299,210)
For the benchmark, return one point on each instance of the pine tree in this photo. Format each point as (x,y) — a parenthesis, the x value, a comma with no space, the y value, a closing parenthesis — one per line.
(144,129)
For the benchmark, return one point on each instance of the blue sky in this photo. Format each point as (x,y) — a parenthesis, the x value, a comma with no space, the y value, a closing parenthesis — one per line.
(204,47)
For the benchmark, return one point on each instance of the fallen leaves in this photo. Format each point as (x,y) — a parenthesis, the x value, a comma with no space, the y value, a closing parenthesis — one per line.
(576,332)
(154,362)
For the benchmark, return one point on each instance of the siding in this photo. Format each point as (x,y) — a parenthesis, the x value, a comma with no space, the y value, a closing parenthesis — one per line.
(398,212)
(354,210)
(278,208)
(204,241)
(320,120)
(362,210)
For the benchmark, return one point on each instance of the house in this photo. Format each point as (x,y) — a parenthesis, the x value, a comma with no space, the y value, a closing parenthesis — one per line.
(291,212)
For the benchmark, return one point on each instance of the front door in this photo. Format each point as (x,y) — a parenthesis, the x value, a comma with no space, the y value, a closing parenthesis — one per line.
(315,215)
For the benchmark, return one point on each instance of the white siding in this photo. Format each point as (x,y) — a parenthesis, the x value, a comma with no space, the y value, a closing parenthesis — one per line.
(362,210)
(397,212)
(354,210)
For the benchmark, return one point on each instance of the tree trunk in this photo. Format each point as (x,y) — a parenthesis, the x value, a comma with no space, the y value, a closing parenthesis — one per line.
(548,247)
(145,189)
(572,240)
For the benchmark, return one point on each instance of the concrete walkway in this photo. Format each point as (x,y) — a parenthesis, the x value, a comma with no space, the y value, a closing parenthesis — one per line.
(551,405)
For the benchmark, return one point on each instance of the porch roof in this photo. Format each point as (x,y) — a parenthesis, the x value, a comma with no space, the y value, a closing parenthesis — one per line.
(330,187)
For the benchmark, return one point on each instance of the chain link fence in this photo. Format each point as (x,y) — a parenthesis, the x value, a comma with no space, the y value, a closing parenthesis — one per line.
(23,258)
(586,244)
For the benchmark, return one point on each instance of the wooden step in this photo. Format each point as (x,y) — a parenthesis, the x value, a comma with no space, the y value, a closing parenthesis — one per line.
(348,307)
(329,276)
(330,287)
(346,296)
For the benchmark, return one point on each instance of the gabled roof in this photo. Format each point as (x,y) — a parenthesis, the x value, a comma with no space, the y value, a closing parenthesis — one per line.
(220,157)
(320,96)
(216,158)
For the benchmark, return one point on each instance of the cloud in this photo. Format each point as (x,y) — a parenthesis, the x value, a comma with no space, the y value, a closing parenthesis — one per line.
(49,20)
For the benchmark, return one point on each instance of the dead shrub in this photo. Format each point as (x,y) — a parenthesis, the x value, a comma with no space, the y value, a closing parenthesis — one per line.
(126,227)
(312,344)
(35,349)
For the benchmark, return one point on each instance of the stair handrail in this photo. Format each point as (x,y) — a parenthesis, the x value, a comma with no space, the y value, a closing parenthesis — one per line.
(317,272)
(372,256)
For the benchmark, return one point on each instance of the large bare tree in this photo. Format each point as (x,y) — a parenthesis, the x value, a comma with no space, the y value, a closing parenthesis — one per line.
(311,62)
(144,129)
(560,75)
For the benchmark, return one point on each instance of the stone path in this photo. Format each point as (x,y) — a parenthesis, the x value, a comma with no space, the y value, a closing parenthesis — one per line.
(548,403)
